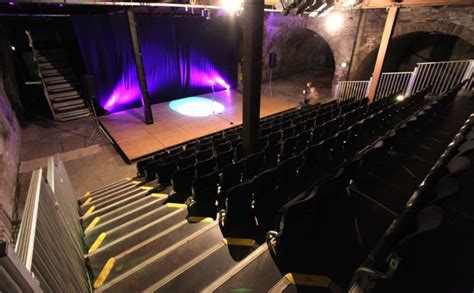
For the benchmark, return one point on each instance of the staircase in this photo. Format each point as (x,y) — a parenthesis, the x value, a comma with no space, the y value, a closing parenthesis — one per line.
(61,87)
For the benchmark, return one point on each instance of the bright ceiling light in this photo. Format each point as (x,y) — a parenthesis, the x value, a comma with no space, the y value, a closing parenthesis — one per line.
(334,21)
(231,5)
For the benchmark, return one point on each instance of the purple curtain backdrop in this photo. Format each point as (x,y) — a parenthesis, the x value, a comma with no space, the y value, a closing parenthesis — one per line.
(183,56)
(108,55)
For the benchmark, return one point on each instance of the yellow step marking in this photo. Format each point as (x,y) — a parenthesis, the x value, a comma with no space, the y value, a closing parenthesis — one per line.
(200,219)
(97,242)
(146,187)
(88,201)
(239,241)
(104,273)
(86,194)
(308,280)
(92,224)
(176,205)
(89,211)
(158,195)
(136,182)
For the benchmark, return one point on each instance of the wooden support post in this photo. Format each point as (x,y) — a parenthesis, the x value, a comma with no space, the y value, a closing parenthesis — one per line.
(140,67)
(252,72)
(384,43)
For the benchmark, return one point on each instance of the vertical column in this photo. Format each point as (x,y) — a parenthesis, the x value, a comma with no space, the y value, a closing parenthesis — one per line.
(140,68)
(252,72)
(384,43)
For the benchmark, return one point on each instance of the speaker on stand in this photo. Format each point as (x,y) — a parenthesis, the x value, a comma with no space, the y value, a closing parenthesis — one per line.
(90,95)
(271,64)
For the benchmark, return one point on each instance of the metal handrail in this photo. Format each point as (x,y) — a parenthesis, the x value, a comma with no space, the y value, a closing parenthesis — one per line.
(50,239)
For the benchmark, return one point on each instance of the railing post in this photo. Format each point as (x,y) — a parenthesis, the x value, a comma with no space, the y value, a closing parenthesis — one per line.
(336,91)
(411,83)
(368,87)
(468,74)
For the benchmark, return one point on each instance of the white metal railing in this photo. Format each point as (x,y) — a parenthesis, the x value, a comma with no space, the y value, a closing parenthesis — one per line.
(393,82)
(442,75)
(351,89)
(49,241)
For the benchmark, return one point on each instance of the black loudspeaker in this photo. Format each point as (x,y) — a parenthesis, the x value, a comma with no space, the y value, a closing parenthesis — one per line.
(272,60)
(89,88)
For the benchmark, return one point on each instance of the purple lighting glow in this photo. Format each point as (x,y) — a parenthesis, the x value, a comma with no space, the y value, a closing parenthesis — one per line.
(11,3)
(127,91)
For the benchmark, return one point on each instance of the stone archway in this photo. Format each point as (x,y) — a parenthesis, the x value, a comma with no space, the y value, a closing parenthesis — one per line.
(428,20)
(406,50)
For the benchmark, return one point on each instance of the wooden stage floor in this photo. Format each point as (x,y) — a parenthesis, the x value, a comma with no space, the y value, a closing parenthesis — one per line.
(135,140)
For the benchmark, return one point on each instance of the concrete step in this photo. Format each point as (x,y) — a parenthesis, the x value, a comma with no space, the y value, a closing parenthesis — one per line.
(68,88)
(73,115)
(70,108)
(160,256)
(149,203)
(60,86)
(63,95)
(61,106)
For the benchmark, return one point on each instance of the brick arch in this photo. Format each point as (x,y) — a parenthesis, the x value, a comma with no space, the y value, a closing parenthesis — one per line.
(446,28)
(281,36)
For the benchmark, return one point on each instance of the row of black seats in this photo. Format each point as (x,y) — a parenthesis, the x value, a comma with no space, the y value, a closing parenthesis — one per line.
(323,217)
(432,235)
(231,164)
(262,197)
(275,127)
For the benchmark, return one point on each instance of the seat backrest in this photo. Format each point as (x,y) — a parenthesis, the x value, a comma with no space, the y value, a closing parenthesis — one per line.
(182,180)
(254,164)
(204,154)
(224,158)
(239,199)
(141,166)
(232,175)
(186,161)
(204,188)
(206,166)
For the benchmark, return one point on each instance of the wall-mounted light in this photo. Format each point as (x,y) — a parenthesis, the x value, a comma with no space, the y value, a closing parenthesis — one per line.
(334,21)
(400,98)
(12,47)
(344,64)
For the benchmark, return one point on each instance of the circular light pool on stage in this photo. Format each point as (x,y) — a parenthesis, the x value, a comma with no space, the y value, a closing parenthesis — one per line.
(196,106)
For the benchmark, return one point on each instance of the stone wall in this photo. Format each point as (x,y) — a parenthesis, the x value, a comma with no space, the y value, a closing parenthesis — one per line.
(9,141)
(452,20)
(352,45)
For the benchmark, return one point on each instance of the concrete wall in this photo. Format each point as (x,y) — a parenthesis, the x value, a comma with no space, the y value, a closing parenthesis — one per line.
(9,141)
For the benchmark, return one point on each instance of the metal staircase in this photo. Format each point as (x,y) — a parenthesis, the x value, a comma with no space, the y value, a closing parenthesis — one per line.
(61,87)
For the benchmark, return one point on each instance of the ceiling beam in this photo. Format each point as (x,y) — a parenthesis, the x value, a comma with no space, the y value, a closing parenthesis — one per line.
(371,4)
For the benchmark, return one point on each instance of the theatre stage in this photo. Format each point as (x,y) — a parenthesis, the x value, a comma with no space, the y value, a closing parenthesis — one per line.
(134,139)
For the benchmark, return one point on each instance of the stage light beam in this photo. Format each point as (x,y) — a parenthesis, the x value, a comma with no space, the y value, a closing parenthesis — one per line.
(196,107)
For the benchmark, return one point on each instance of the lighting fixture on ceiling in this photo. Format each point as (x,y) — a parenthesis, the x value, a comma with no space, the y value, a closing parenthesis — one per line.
(231,6)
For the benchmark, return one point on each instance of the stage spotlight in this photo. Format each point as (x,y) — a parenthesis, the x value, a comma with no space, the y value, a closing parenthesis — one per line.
(334,21)
(11,3)
(231,6)
(400,98)
(13,48)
